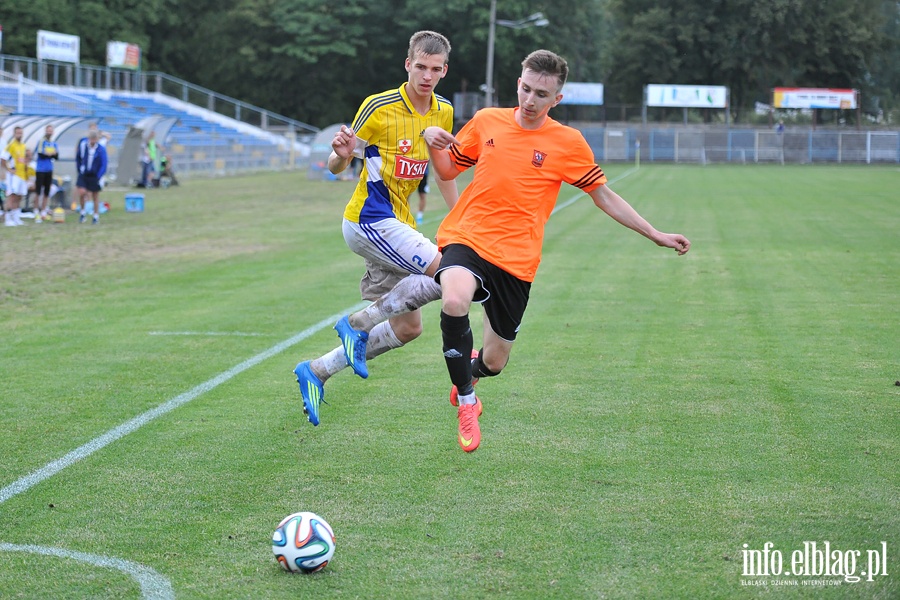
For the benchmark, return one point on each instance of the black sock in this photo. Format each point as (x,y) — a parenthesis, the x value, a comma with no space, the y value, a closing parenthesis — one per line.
(479,369)
(458,351)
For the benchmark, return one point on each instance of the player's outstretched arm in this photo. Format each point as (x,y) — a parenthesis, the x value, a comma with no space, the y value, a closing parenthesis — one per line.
(439,141)
(616,207)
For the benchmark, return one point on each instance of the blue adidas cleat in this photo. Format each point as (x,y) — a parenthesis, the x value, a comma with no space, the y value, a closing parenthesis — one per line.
(312,389)
(354,343)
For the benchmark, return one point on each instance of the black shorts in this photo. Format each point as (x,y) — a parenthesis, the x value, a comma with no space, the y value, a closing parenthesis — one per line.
(42,182)
(423,185)
(503,296)
(89,182)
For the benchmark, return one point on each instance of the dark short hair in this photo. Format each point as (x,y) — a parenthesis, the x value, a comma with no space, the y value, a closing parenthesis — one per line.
(545,62)
(429,43)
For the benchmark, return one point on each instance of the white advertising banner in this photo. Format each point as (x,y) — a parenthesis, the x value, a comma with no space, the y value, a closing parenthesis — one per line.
(814,98)
(687,96)
(582,93)
(58,46)
(123,55)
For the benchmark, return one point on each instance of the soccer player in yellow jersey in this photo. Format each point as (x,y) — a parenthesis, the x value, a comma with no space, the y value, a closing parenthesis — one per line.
(491,240)
(379,224)
(14,161)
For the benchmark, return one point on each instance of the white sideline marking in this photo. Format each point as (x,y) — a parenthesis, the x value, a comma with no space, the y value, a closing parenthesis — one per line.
(54,467)
(153,585)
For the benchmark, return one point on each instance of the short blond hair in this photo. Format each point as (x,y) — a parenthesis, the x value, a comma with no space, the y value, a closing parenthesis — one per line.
(429,43)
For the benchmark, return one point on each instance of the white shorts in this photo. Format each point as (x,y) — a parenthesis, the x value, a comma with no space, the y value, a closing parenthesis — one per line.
(392,250)
(15,185)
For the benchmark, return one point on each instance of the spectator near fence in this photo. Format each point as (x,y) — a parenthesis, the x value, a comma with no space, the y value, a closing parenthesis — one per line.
(423,197)
(2,179)
(13,160)
(47,151)
(154,151)
(90,159)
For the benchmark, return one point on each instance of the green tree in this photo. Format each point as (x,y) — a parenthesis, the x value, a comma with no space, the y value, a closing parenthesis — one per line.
(96,23)
(315,60)
(882,88)
(750,46)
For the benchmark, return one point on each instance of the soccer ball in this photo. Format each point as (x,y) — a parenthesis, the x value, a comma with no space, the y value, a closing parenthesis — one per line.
(303,543)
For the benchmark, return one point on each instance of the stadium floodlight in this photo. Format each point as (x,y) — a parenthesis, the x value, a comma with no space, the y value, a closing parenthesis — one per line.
(535,20)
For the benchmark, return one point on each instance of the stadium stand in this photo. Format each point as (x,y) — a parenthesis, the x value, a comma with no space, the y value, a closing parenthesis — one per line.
(196,139)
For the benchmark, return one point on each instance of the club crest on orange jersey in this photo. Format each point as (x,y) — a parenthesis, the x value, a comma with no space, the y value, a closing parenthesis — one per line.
(538,158)
(404,146)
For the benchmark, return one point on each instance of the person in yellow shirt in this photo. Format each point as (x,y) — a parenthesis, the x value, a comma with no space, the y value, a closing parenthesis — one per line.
(14,161)
(379,224)
(491,240)
(2,178)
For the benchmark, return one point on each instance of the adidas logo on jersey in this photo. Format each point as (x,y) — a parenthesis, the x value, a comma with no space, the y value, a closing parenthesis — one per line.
(489,143)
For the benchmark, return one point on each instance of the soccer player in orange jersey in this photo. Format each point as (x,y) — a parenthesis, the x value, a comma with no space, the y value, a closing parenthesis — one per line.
(491,240)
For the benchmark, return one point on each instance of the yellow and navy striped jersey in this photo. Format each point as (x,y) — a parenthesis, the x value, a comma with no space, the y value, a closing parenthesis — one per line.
(395,154)
(16,163)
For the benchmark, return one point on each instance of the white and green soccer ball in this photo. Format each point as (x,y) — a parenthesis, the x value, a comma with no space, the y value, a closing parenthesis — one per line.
(303,543)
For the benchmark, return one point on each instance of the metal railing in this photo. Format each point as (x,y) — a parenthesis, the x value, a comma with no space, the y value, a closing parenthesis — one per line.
(125,80)
(744,146)
(610,141)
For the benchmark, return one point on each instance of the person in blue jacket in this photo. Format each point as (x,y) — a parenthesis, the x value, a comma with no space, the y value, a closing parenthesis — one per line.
(90,158)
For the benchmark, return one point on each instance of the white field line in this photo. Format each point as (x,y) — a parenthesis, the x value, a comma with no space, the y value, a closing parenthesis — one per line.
(208,333)
(153,585)
(54,467)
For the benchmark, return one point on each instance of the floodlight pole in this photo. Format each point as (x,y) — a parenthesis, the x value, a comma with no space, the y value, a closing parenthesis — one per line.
(489,81)
(535,20)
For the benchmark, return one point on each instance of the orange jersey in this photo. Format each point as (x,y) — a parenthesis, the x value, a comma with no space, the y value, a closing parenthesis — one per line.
(518,173)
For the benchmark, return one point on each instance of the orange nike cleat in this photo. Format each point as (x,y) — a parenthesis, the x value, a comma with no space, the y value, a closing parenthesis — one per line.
(469,432)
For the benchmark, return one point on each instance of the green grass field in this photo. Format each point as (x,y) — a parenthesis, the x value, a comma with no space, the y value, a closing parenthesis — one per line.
(659,412)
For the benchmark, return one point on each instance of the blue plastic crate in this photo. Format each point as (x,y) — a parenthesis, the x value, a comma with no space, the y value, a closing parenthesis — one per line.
(134,203)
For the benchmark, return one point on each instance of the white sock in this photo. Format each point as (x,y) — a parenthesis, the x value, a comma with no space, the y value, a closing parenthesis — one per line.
(467,399)
(381,339)
(328,364)
(410,294)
